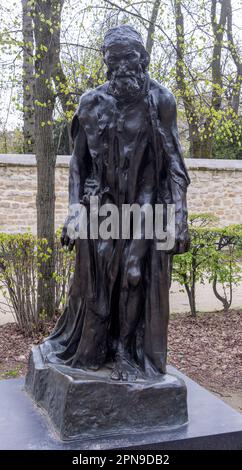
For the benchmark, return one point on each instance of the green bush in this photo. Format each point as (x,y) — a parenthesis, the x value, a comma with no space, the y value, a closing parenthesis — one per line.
(213,256)
(20,258)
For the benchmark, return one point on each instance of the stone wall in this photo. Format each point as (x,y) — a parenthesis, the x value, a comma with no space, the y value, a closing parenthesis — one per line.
(216,187)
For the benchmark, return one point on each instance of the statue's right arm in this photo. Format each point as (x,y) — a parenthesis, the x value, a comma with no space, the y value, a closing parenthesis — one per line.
(78,163)
(77,174)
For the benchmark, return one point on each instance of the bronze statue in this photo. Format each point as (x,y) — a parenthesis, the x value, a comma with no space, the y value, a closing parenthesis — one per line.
(126,150)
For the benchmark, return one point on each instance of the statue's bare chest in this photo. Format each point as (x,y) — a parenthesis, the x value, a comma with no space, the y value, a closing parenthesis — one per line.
(127,120)
(131,121)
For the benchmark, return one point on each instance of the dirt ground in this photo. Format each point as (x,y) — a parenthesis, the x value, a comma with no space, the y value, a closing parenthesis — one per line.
(208,349)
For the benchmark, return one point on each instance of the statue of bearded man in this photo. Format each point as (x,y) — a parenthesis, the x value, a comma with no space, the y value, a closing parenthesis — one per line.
(126,151)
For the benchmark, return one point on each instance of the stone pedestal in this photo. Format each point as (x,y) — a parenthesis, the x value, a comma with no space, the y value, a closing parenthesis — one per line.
(84,405)
(212,425)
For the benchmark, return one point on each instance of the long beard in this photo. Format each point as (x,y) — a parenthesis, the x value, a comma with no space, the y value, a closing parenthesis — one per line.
(128,86)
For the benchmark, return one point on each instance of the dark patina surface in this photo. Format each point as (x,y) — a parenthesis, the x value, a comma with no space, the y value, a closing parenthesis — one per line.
(126,150)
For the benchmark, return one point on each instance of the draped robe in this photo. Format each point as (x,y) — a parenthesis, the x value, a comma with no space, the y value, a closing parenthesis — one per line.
(126,153)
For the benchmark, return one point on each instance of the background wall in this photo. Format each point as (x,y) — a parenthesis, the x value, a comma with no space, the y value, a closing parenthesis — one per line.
(216,187)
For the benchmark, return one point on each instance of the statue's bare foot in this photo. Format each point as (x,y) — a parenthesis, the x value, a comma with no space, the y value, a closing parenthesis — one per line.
(124,371)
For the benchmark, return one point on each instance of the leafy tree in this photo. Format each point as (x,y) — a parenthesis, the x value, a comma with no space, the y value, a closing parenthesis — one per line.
(191,267)
(195,50)
(204,92)
(213,256)
(47,17)
(28,77)
(223,263)
(229,147)
(20,258)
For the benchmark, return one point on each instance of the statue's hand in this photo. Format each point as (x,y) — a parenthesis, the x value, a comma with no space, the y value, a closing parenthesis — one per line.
(91,187)
(65,239)
(182,244)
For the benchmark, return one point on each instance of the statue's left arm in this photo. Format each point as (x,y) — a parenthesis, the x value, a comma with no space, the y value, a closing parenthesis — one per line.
(176,172)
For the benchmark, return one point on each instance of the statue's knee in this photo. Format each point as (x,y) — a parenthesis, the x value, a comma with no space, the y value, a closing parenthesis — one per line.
(134,276)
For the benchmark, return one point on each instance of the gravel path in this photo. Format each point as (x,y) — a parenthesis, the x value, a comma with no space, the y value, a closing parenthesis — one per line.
(206,301)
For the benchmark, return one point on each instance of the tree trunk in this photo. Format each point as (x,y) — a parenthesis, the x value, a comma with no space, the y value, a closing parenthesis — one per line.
(192,299)
(194,142)
(218,33)
(206,148)
(46,25)
(217,81)
(188,101)
(191,290)
(62,90)
(28,78)
(236,56)
(226,304)
(201,148)
(151,29)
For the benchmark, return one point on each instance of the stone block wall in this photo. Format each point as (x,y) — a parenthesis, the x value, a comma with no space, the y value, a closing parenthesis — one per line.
(216,187)
(18,183)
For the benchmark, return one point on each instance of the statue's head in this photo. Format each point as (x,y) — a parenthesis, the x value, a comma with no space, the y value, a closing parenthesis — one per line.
(126,60)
